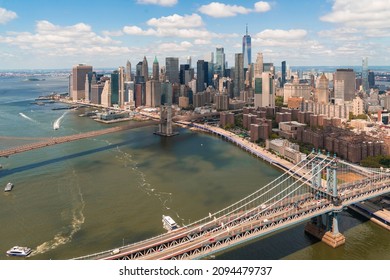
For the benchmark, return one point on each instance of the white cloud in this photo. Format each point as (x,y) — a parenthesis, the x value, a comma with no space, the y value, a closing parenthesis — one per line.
(54,40)
(166,32)
(220,10)
(6,16)
(262,7)
(116,33)
(341,34)
(278,34)
(361,14)
(177,21)
(135,30)
(165,3)
(202,42)
(187,26)
(174,47)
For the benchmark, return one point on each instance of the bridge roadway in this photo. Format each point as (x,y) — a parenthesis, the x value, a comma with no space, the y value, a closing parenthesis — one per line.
(200,240)
(63,139)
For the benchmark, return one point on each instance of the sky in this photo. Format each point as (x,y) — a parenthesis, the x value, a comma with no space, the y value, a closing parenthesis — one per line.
(47,34)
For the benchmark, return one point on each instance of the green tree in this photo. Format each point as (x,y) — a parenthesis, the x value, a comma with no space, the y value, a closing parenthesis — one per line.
(358,117)
(238,121)
(376,162)
(279,101)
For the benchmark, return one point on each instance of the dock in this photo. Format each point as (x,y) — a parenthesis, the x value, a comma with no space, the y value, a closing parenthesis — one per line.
(373,212)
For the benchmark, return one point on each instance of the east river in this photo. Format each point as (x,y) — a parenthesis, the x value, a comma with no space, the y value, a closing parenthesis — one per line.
(95,194)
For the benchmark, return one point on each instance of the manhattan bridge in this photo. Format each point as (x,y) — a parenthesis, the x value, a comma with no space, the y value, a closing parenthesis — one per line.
(314,191)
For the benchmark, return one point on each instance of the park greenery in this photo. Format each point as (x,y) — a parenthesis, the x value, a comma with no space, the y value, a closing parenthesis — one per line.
(376,161)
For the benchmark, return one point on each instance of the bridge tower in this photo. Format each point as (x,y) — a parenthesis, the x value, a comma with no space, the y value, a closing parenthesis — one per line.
(333,237)
(328,233)
(165,126)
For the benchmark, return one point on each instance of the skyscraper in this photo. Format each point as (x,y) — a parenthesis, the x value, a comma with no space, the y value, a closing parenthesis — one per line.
(121,86)
(238,74)
(138,69)
(172,69)
(220,62)
(128,71)
(247,48)
(322,91)
(366,86)
(265,90)
(202,73)
(114,87)
(371,79)
(153,93)
(258,65)
(79,73)
(156,69)
(283,73)
(183,69)
(344,85)
(145,69)
(90,79)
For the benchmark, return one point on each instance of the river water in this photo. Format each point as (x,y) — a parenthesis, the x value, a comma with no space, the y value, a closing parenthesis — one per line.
(96,194)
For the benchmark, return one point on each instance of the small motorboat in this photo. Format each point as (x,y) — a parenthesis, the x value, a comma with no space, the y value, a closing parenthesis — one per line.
(19,251)
(8,187)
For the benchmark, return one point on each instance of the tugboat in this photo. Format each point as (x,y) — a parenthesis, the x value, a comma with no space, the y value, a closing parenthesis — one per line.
(19,251)
(8,187)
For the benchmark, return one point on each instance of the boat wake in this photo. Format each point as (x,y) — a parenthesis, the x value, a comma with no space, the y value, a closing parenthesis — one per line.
(57,122)
(68,232)
(165,198)
(27,117)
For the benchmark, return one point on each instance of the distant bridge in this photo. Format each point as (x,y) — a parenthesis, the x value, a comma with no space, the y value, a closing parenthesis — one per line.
(45,142)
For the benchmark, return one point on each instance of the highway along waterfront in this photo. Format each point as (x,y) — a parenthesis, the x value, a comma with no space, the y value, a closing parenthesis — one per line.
(99,193)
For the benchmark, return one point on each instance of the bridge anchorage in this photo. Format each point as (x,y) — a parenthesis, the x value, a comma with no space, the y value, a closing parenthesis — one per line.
(314,191)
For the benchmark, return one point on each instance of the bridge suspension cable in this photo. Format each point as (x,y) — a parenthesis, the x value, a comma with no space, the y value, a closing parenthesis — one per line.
(246,201)
(258,211)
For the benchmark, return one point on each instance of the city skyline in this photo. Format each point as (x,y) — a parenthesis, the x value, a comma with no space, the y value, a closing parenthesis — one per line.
(45,34)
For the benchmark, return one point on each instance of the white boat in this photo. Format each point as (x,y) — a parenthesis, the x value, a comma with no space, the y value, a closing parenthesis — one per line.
(19,251)
(168,223)
(8,187)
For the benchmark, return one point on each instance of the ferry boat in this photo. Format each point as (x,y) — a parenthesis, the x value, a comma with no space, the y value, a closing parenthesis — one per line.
(19,251)
(168,223)
(8,187)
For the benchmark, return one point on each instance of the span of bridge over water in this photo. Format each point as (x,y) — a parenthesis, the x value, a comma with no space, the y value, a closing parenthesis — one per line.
(64,139)
(278,205)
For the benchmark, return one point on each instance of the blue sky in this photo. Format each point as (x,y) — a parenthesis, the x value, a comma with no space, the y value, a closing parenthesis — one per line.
(58,34)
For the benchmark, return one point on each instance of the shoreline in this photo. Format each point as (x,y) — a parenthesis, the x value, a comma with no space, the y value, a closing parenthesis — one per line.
(246,145)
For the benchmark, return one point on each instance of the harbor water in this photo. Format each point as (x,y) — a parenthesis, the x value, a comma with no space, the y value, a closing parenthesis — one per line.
(97,194)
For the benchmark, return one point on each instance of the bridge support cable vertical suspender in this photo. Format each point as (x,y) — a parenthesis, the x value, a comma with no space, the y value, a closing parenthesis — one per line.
(284,192)
(274,201)
(277,198)
(257,194)
(331,180)
(287,192)
(316,175)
